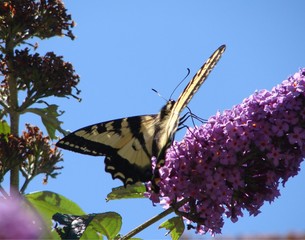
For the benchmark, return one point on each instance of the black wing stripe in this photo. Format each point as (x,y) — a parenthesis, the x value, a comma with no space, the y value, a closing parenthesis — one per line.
(80,143)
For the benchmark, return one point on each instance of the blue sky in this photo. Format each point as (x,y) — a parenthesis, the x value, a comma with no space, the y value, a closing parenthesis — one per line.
(125,48)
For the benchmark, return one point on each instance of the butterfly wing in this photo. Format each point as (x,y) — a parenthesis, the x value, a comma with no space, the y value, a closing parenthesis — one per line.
(199,78)
(170,113)
(126,143)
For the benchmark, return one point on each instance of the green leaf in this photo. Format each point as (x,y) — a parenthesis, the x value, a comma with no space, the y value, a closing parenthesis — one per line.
(48,203)
(49,119)
(131,191)
(108,224)
(175,226)
(4,127)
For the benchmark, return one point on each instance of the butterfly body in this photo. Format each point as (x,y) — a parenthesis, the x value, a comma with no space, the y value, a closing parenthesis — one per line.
(165,130)
(129,144)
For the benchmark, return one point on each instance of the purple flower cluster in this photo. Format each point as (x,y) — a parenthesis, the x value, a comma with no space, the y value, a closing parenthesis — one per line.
(18,222)
(237,160)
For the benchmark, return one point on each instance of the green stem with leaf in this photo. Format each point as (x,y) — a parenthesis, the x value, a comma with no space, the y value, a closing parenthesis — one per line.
(154,219)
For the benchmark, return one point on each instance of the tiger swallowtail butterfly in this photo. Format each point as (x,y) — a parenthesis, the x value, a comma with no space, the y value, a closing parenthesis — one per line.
(129,144)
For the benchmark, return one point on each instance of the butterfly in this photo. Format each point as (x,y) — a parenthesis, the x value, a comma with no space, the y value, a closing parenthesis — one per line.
(129,144)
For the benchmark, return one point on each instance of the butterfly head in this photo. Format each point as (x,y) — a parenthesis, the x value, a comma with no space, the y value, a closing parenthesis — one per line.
(167,108)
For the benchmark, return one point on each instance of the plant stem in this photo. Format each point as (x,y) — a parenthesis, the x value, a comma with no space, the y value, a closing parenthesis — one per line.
(13,110)
(154,219)
(14,177)
(25,184)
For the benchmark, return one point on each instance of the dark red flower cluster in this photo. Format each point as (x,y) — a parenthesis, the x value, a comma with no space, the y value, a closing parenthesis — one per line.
(22,19)
(237,160)
(32,151)
(11,153)
(40,157)
(42,76)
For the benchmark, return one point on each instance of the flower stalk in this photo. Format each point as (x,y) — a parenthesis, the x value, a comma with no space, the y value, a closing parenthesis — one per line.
(36,77)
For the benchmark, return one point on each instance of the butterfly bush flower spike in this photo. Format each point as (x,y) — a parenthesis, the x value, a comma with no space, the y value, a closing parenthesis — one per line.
(238,159)
(18,222)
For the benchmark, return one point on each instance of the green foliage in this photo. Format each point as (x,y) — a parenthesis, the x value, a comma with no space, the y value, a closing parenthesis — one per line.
(47,203)
(50,204)
(108,224)
(131,191)
(175,227)
(49,117)
(4,127)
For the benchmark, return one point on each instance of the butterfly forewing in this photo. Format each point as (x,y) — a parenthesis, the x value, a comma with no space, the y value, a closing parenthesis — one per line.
(126,142)
(199,78)
(171,111)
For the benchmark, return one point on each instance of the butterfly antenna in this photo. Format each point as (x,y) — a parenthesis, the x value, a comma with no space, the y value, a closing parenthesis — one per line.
(188,73)
(158,94)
